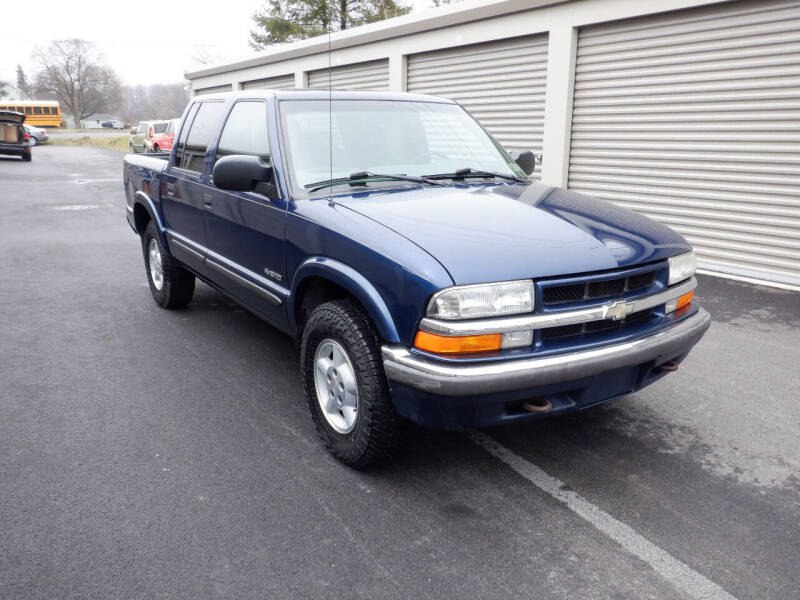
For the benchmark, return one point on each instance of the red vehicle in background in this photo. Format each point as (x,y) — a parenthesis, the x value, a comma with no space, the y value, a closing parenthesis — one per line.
(162,142)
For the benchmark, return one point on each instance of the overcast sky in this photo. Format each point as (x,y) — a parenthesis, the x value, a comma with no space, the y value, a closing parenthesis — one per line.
(154,42)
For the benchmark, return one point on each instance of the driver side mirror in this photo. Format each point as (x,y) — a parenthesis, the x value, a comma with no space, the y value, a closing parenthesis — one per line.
(526,160)
(242,173)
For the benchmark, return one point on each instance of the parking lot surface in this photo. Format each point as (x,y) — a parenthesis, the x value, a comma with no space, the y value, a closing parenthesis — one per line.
(58,134)
(147,453)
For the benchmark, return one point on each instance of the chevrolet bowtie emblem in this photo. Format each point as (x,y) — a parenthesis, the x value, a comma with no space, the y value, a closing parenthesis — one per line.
(619,310)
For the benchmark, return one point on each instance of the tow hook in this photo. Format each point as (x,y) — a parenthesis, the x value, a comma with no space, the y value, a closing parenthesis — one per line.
(538,405)
(668,367)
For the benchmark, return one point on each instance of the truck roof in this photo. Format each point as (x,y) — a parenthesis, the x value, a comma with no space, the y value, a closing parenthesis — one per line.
(324,94)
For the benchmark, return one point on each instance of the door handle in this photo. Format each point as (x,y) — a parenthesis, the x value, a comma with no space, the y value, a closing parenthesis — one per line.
(207,201)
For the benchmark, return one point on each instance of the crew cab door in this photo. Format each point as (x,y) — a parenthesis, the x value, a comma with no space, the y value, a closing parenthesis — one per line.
(245,230)
(183,191)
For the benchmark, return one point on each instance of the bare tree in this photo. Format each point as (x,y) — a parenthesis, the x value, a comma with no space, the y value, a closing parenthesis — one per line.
(155,101)
(204,55)
(75,73)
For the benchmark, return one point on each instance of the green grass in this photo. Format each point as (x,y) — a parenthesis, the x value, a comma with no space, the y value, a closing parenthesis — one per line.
(117,142)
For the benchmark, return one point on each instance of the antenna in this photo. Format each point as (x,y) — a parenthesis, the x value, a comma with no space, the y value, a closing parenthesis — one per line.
(330,106)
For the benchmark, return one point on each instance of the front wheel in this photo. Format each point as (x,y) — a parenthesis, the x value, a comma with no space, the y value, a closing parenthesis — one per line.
(171,285)
(345,386)
(33,141)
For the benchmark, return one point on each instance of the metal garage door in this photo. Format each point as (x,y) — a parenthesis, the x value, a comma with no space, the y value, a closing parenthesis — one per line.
(373,75)
(215,89)
(501,83)
(281,82)
(693,118)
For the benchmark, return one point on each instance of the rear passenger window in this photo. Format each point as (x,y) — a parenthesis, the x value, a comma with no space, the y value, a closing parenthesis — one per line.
(187,123)
(37,110)
(202,130)
(46,110)
(245,131)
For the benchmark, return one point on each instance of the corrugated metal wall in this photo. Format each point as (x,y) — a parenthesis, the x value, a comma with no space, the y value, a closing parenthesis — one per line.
(281,82)
(501,83)
(215,89)
(372,75)
(693,118)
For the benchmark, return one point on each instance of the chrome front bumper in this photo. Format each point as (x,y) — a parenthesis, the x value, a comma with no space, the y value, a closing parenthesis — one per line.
(448,379)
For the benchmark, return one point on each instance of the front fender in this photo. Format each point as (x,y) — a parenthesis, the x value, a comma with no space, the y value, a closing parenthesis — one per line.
(351,280)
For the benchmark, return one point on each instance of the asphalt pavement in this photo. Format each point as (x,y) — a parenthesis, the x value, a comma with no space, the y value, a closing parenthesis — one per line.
(147,453)
(59,134)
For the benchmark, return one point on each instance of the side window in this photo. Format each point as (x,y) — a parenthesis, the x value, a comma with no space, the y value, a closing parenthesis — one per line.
(37,110)
(46,110)
(187,124)
(245,131)
(28,110)
(202,130)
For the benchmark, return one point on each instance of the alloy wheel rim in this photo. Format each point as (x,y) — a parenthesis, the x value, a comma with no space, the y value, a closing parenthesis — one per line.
(336,386)
(154,262)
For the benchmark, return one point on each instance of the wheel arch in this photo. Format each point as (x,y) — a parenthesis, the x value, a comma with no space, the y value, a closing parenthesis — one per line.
(144,211)
(319,278)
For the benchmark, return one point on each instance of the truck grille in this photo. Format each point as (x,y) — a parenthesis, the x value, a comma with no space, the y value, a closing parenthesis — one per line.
(581,291)
(585,329)
(596,290)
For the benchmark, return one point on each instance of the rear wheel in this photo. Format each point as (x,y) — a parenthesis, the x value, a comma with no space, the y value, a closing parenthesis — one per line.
(27,156)
(33,141)
(346,388)
(171,285)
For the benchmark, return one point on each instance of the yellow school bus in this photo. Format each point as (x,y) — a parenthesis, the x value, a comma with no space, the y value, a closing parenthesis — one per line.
(42,113)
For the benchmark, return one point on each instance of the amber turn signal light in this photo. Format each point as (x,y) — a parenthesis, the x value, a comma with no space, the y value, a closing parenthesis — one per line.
(685,300)
(681,304)
(443,344)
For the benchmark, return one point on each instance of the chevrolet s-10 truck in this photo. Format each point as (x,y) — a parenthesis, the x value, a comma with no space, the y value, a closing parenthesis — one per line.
(423,274)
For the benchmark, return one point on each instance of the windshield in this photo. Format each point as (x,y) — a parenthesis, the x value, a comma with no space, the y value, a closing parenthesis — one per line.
(385,136)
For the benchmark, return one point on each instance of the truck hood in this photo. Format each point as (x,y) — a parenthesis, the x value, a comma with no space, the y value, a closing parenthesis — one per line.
(517,231)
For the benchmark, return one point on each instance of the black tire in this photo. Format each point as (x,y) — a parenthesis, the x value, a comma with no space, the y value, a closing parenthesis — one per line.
(155,149)
(377,432)
(27,156)
(33,141)
(177,287)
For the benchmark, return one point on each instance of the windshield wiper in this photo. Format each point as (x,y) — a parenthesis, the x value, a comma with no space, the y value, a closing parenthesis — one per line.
(362,177)
(468,172)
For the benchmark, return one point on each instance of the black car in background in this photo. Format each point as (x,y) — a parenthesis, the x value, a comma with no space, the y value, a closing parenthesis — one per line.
(14,139)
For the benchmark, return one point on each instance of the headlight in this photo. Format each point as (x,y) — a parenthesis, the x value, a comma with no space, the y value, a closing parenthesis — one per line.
(681,267)
(483,300)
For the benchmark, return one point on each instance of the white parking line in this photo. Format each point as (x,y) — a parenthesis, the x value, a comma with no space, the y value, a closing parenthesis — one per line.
(107,180)
(74,207)
(670,568)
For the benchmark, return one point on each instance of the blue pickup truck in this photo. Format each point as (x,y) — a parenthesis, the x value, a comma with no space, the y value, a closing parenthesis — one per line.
(423,274)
